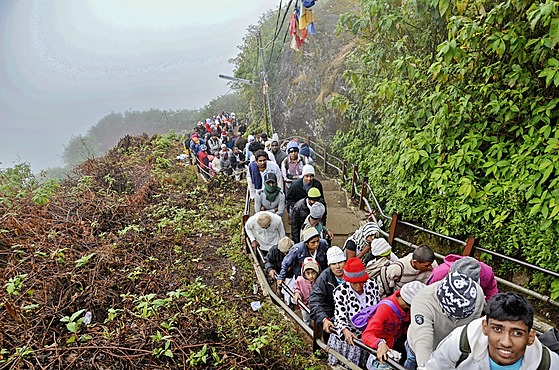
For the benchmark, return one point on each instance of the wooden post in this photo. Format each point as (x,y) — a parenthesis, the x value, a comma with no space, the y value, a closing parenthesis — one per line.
(363,193)
(353,180)
(344,165)
(393,225)
(325,161)
(317,334)
(469,247)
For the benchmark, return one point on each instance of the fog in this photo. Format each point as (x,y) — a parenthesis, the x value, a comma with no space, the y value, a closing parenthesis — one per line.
(65,64)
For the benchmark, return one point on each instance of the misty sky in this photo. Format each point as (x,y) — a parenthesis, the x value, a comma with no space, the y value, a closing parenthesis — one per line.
(65,64)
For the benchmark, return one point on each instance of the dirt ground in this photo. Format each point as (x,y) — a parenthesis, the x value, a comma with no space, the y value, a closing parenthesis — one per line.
(136,263)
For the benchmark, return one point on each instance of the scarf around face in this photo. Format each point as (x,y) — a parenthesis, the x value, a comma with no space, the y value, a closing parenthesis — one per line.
(271,192)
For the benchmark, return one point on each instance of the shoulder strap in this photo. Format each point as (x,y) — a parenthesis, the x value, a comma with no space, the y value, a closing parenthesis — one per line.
(398,263)
(545,363)
(464,346)
(392,305)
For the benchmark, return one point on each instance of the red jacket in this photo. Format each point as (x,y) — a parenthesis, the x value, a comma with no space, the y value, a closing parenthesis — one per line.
(386,325)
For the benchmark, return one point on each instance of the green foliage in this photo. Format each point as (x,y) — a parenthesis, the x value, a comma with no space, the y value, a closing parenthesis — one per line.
(73,323)
(15,284)
(84,260)
(455,125)
(16,183)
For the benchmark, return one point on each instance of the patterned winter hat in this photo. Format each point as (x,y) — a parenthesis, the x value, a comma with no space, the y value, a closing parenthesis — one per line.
(308,234)
(457,295)
(468,266)
(354,271)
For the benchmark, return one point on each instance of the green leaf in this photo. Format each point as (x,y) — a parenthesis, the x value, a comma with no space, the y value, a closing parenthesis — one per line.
(443,6)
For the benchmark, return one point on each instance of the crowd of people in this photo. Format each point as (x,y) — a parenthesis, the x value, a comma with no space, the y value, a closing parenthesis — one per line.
(409,308)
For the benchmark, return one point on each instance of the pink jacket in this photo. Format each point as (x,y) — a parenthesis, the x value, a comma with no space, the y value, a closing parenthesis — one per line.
(486,277)
(304,287)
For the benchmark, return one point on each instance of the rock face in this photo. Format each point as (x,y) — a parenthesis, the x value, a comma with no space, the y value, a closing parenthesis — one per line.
(307,79)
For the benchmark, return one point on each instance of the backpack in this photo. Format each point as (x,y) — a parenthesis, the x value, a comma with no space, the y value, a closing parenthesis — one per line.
(465,350)
(378,273)
(361,318)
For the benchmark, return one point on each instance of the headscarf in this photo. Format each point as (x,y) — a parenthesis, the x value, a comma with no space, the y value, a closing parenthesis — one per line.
(360,235)
(271,192)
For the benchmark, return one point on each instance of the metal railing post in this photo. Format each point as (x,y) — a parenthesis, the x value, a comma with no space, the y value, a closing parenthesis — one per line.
(393,225)
(344,165)
(469,247)
(363,193)
(325,161)
(353,180)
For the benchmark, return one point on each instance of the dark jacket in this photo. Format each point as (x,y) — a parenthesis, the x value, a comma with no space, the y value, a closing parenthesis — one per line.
(296,192)
(240,143)
(298,216)
(297,255)
(321,300)
(279,156)
(273,260)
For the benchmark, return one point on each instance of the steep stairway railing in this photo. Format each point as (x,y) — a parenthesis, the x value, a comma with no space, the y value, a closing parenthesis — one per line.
(363,193)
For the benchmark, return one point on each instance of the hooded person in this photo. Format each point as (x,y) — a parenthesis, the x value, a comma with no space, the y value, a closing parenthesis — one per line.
(437,310)
(271,197)
(279,155)
(359,244)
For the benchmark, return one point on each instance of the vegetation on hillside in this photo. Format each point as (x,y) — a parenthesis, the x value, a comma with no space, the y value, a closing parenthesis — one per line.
(133,264)
(454,118)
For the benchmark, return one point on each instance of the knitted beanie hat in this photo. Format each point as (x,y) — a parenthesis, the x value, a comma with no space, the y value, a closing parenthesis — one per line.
(354,271)
(317,210)
(409,290)
(380,247)
(285,244)
(308,234)
(314,193)
(468,266)
(310,263)
(264,220)
(308,170)
(457,295)
(334,254)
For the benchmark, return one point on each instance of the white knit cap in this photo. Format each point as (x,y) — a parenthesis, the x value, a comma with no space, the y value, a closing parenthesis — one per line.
(308,170)
(334,255)
(380,247)
(409,290)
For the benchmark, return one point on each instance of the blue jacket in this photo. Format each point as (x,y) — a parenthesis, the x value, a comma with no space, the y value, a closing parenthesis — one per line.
(297,255)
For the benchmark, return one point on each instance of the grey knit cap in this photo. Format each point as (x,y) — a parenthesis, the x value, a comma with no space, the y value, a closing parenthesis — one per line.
(468,266)
(317,210)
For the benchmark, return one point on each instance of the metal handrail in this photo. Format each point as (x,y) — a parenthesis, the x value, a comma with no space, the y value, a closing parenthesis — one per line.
(258,261)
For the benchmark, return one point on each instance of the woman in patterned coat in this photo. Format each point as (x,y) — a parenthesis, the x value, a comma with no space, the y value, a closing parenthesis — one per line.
(356,293)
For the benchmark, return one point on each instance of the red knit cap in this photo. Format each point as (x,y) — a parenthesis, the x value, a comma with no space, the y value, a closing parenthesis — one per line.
(354,271)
